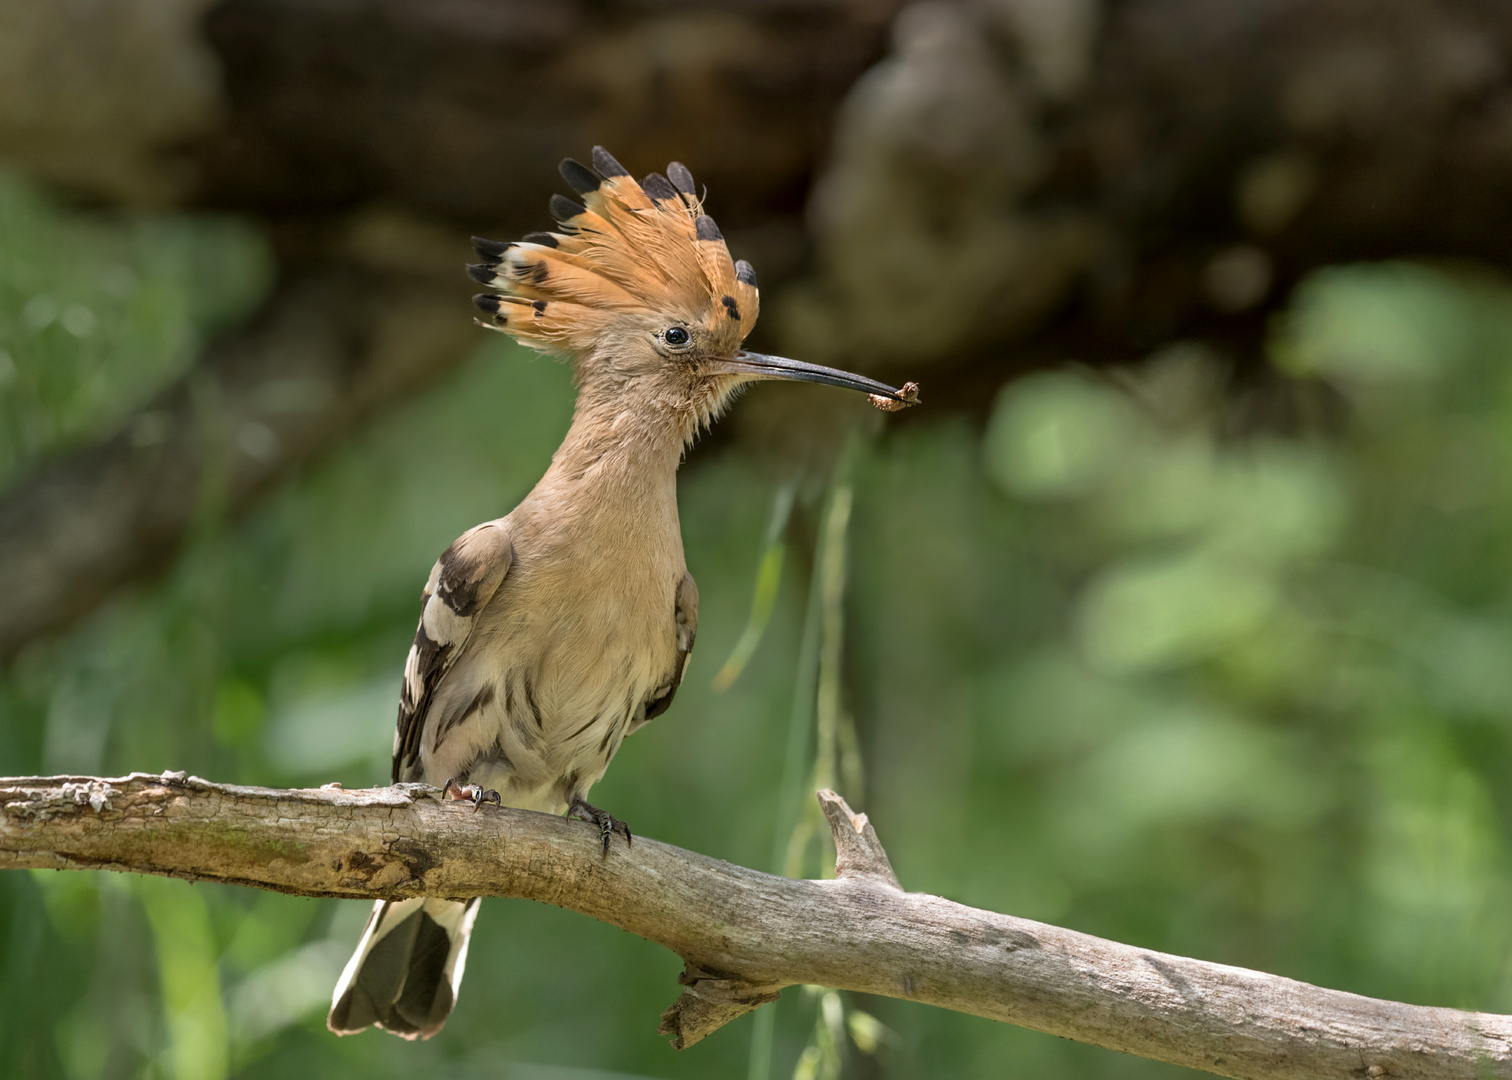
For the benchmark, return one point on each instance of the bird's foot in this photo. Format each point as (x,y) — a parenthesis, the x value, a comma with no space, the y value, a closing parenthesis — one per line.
(473,792)
(608,824)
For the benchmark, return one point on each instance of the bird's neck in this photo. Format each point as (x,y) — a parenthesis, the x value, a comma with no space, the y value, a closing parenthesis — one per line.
(618,462)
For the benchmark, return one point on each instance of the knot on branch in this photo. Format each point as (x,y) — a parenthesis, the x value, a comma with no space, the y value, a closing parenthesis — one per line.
(858,852)
(709,1001)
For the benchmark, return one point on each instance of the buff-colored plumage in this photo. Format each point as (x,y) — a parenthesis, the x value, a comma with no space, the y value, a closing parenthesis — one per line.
(548,635)
(630,249)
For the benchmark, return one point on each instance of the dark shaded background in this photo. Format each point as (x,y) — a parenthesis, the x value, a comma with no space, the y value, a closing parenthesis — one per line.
(1180,614)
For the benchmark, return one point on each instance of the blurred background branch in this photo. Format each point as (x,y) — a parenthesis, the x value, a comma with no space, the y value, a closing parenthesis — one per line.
(745,935)
(331,347)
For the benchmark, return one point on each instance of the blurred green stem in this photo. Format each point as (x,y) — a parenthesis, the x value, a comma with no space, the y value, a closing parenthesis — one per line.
(816,685)
(190,978)
(763,1031)
(832,599)
(764,599)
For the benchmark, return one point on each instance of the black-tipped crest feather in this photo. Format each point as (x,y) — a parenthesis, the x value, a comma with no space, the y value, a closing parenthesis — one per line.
(681,178)
(564,209)
(659,188)
(606,164)
(579,177)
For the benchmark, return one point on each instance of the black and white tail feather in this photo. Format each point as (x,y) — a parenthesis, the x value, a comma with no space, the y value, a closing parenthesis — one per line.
(407,969)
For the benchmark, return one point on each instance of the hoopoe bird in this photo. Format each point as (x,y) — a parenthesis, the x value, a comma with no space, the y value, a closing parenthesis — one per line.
(548,635)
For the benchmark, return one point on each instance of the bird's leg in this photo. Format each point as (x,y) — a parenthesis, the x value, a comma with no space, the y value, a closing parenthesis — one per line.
(608,825)
(474,792)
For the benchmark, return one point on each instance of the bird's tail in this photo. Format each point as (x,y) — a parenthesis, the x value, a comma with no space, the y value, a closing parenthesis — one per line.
(407,969)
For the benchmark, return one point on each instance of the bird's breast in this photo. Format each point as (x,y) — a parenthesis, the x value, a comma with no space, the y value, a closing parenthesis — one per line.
(562,661)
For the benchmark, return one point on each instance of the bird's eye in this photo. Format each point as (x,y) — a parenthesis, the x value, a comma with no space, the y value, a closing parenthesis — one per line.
(676,336)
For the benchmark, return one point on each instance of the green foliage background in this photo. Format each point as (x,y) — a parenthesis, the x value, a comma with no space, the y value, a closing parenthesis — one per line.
(1127,661)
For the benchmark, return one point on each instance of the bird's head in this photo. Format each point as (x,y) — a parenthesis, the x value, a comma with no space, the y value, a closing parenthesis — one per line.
(637,288)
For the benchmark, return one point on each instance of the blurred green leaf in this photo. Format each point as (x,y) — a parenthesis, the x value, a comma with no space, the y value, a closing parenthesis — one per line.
(1054,435)
(1148,613)
(1386,323)
(98,312)
(186,951)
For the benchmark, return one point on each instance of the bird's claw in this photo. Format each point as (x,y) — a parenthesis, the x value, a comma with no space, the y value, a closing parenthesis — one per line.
(473,792)
(607,824)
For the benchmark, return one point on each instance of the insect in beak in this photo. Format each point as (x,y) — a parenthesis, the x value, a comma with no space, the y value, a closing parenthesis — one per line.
(762,366)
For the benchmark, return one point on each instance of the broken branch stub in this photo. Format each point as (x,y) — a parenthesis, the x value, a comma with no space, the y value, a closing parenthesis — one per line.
(711,999)
(858,852)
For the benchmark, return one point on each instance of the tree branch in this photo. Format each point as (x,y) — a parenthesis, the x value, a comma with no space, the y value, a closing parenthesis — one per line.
(332,346)
(744,935)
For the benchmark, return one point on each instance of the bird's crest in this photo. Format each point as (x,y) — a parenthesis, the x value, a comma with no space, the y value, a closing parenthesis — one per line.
(638,249)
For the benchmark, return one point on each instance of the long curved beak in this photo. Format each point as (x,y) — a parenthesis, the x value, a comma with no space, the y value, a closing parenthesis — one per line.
(763,366)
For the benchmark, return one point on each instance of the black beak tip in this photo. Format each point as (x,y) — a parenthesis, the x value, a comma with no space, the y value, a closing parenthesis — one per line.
(880,394)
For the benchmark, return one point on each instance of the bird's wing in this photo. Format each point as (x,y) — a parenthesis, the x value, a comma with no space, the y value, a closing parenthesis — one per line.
(686,613)
(463,580)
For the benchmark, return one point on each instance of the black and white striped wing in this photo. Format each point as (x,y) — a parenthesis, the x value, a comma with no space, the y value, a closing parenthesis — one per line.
(461,583)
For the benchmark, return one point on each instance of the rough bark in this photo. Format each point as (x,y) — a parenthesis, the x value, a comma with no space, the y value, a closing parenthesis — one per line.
(745,935)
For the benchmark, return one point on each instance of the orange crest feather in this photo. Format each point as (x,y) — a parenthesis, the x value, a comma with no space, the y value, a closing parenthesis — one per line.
(632,248)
